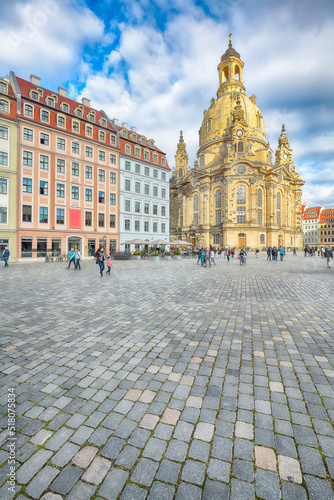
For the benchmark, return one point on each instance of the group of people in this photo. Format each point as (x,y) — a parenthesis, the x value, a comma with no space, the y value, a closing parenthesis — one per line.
(206,256)
(100,260)
(75,257)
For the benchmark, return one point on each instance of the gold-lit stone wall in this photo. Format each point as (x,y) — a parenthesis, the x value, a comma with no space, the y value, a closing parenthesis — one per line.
(259,203)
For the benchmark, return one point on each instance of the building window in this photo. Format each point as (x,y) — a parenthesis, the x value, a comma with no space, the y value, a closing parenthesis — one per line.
(259,198)
(4,158)
(155,158)
(75,126)
(102,155)
(91,118)
(102,175)
(60,215)
(26,213)
(89,131)
(44,139)
(102,136)
(147,189)
(278,206)
(60,190)
(137,168)
(3,215)
(155,209)
(43,215)
(259,216)
(75,192)
(278,217)
(64,107)
(112,159)
(45,116)
(241,200)
(61,121)
(43,188)
(78,112)
(127,224)
(60,166)
(75,148)
(218,217)
(195,206)
(112,177)
(112,139)
(88,172)
(241,215)
(146,208)
(88,219)
(60,143)
(127,185)
(137,187)
(146,155)
(28,134)
(112,199)
(51,102)
(147,171)
(88,194)
(101,220)
(44,162)
(137,225)
(28,110)
(127,149)
(262,239)
(163,211)
(75,168)
(102,197)
(127,165)
(127,205)
(155,174)
(155,227)
(89,151)
(218,199)
(3,185)
(137,207)
(4,106)
(163,227)
(112,221)
(155,191)
(163,174)
(146,226)
(163,193)
(137,151)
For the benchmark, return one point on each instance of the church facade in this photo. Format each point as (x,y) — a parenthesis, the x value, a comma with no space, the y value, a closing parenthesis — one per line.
(238,194)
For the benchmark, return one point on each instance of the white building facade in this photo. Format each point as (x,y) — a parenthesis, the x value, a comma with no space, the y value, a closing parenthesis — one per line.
(310,225)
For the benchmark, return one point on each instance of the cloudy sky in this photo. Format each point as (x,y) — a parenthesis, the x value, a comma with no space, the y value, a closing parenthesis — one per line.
(153,64)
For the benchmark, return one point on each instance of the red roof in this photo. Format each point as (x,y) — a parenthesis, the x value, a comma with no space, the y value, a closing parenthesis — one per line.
(312,212)
(326,215)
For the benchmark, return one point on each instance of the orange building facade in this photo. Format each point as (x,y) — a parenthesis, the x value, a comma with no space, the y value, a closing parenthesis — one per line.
(68,174)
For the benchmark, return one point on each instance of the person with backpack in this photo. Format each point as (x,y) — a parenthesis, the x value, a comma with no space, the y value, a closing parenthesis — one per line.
(100,257)
(5,255)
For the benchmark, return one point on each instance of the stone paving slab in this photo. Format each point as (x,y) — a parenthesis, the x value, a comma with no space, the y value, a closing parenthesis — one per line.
(167,380)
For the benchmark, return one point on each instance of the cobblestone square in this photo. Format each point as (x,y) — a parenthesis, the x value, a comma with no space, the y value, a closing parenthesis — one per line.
(169,380)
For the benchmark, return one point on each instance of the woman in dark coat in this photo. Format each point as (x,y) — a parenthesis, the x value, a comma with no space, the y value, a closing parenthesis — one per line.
(99,256)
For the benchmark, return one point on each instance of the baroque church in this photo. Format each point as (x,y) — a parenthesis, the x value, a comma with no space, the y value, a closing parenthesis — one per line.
(237,195)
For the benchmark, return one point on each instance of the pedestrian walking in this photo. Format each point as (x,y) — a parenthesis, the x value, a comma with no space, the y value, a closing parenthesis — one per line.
(100,257)
(5,255)
(328,255)
(232,253)
(71,258)
(212,257)
(281,252)
(228,253)
(257,253)
(109,265)
(269,253)
(207,256)
(203,258)
(274,253)
(199,255)
(294,251)
(77,258)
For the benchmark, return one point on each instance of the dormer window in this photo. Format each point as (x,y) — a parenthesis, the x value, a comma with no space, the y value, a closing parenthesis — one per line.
(151,144)
(124,133)
(134,137)
(143,141)
(163,161)
(65,107)
(103,122)
(34,95)
(78,112)
(91,118)
(4,106)
(40,91)
(3,87)
(50,102)
(112,139)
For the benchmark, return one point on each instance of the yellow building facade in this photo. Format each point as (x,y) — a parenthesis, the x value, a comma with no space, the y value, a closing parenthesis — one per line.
(238,194)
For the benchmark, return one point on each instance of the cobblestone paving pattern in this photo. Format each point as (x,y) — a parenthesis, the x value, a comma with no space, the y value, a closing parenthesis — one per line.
(167,380)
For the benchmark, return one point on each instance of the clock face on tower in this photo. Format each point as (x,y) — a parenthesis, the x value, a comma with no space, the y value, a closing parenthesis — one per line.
(239,132)
(285,156)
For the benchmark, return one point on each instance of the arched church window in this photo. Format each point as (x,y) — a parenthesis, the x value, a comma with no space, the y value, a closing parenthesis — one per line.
(237,73)
(278,206)
(181,213)
(195,201)
(259,197)
(240,147)
(180,172)
(262,239)
(241,204)
(218,199)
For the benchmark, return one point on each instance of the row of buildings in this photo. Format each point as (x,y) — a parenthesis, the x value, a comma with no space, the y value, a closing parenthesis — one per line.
(318,226)
(70,177)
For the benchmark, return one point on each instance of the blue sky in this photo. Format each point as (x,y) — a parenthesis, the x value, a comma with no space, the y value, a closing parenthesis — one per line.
(153,64)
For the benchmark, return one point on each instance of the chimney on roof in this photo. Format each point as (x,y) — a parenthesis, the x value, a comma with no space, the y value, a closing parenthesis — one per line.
(133,129)
(124,125)
(62,91)
(85,102)
(35,80)
(115,121)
